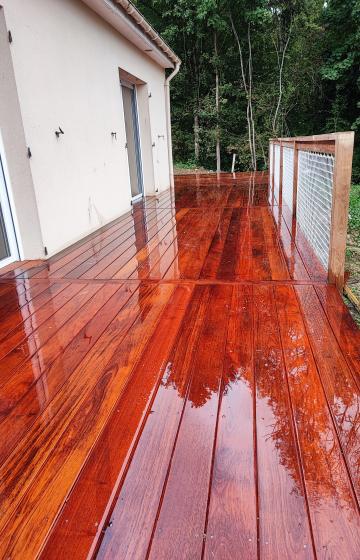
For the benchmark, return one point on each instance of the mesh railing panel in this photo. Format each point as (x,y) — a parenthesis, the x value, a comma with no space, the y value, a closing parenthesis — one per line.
(277,172)
(288,176)
(314,201)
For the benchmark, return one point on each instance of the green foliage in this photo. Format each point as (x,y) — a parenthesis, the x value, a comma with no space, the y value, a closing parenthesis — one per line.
(354,210)
(320,78)
(188,165)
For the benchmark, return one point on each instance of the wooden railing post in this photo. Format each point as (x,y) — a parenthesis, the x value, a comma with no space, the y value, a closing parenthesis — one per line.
(340,206)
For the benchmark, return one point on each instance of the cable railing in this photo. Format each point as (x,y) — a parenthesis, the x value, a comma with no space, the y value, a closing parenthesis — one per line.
(310,179)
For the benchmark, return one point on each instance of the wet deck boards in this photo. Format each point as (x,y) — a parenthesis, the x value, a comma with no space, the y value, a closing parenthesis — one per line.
(181,384)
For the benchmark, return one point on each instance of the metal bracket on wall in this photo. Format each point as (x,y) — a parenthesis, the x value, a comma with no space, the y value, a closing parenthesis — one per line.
(58,132)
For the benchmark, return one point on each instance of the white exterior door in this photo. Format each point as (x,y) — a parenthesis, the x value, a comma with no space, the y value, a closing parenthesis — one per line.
(8,245)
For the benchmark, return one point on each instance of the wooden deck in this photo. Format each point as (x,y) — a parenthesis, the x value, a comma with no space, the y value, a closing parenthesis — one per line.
(181,384)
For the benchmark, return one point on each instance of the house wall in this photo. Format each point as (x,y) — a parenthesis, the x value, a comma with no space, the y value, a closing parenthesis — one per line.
(66,61)
(14,155)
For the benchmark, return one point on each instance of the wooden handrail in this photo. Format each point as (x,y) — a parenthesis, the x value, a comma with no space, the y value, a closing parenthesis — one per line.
(340,145)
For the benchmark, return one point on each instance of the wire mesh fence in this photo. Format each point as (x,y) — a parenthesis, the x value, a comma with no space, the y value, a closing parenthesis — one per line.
(288,176)
(277,173)
(314,201)
(310,178)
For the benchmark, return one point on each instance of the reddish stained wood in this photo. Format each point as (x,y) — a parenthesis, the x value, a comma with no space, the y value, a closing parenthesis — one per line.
(261,269)
(142,257)
(213,259)
(294,262)
(283,521)
(97,411)
(39,499)
(279,265)
(228,262)
(84,514)
(160,222)
(99,249)
(141,237)
(69,301)
(344,147)
(135,510)
(193,248)
(15,299)
(19,267)
(332,504)
(32,387)
(342,393)
(232,516)
(343,326)
(20,320)
(181,520)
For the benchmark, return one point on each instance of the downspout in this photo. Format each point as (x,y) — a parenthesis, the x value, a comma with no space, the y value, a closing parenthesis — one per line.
(168,120)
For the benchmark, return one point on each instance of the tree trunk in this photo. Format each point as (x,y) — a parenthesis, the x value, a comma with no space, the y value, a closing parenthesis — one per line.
(196,137)
(280,52)
(248,92)
(217,102)
(250,102)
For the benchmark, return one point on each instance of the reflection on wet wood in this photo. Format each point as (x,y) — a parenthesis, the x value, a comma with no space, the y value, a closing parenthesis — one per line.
(180,384)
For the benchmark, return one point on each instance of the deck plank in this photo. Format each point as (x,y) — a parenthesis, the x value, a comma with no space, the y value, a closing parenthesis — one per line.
(136,508)
(339,385)
(232,515)
(86,402)
(343,326)
(81,521)
(181,383)
(179,530)
(332,503)
(284,529)
(32,387)
(62,307)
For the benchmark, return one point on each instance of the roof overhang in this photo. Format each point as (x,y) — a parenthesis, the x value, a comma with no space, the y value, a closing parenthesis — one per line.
(125,18)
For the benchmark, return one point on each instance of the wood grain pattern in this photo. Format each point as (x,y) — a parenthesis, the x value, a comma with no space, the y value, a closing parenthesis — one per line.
(77,529)
(136,508)
(182,383)
(332,504)
(283,522)
(344,147)
(232,515)
(189,479)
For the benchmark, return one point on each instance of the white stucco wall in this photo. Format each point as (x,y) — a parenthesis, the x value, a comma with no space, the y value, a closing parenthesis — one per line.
(66,61)
(14,157)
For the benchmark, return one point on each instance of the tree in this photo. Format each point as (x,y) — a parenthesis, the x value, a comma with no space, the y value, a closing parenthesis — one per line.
(256,69)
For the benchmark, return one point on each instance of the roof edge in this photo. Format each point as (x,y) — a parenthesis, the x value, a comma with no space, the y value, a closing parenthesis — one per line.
(126,18)
(140,20)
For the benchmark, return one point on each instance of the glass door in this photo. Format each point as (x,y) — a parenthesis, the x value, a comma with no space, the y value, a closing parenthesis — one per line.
(8,245)
(132,139)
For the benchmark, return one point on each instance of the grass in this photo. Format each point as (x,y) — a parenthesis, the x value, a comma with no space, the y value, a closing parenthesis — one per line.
(353,248)
(183,167)
(354,210)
